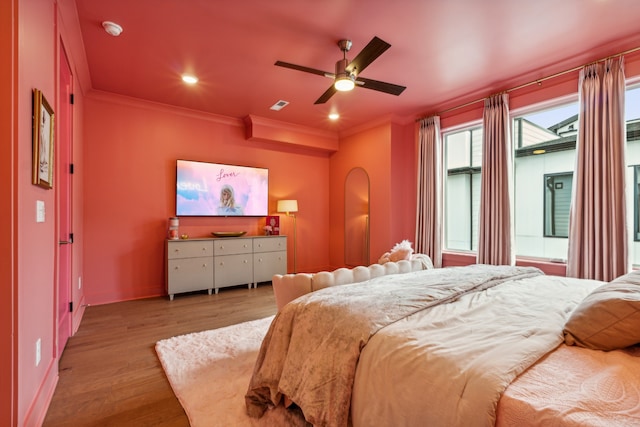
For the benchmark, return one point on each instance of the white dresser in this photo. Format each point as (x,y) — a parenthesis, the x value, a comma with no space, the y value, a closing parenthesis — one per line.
(199,264)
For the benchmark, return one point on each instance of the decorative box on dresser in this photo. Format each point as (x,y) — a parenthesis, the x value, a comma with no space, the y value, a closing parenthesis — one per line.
(214,263)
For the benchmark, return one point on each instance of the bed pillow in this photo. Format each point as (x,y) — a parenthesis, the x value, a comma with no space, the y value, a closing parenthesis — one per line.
(609,317)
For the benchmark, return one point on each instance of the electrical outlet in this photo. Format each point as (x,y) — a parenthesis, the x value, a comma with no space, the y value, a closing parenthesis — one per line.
(38,351)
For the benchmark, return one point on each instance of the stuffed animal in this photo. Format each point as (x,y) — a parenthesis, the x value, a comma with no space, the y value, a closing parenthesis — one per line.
(402,250)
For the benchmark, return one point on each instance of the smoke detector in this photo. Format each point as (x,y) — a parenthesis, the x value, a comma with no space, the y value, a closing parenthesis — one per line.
(112,28)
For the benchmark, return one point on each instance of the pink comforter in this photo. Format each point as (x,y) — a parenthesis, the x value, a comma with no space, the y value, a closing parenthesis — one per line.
(311,350)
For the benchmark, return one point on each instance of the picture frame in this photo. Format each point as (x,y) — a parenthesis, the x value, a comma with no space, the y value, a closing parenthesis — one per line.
(43,141)
(274,222)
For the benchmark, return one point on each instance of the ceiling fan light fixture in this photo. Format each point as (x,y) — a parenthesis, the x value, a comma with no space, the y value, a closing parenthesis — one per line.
(344,83)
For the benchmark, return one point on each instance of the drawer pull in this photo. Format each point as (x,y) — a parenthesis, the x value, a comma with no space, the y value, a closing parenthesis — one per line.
(244,260)
(176,267)
(204,265)
(259,259)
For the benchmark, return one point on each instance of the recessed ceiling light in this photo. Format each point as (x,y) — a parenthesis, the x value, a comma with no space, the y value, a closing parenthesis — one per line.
(539,151)
(334,116)
(189,79)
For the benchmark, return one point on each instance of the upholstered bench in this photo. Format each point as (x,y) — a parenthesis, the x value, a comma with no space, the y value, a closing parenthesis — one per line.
(288,287)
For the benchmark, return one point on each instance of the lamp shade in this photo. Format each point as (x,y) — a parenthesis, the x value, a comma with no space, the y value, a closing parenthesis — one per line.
(287,206)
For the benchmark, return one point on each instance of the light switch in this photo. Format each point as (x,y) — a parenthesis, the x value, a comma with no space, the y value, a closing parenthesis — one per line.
(39,211)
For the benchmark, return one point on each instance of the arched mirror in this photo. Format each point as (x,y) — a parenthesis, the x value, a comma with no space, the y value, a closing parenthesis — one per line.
(356,218)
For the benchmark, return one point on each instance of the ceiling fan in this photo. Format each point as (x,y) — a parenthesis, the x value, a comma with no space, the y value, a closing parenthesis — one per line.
(347,74)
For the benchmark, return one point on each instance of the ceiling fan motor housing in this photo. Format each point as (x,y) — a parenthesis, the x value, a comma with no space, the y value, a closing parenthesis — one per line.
(344,80)
(341,69)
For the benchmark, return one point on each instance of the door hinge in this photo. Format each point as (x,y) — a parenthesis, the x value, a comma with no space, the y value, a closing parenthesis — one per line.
(70,306)
(70,237)
(71,98)
(71,168)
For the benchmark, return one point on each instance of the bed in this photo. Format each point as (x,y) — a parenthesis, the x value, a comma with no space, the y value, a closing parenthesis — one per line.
(465,346)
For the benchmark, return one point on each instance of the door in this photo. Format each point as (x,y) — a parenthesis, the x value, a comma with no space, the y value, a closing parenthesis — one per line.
(65,234)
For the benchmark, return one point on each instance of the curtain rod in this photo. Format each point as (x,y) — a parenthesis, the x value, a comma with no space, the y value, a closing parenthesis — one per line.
(537,81)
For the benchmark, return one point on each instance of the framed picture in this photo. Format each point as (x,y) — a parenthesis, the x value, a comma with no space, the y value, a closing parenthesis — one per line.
(273,221)
(43,143)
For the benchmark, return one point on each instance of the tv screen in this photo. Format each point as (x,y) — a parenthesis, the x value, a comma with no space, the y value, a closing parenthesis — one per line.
(214,189)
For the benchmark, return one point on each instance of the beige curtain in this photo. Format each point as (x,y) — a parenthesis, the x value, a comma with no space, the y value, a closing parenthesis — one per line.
(597,224)
(429,202)
(495,240)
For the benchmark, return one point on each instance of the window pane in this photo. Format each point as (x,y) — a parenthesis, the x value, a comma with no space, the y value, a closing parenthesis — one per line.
(462,188)
(557,201)
(632,117)
(476,147)
(458,212)
(458,150)
(475,210)
(545,148)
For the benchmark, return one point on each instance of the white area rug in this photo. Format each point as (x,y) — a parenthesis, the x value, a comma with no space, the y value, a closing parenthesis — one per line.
(210,371)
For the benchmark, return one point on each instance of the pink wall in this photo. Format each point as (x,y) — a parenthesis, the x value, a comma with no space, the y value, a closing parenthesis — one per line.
(8,178)
(32,31)
(129,191)
(36,250)
(387,153)
(402,206)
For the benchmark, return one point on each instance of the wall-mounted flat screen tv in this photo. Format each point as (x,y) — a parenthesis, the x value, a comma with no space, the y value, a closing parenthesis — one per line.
(215,189)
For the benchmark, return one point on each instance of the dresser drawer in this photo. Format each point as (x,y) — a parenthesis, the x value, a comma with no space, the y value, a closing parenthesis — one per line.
(232,246)
(233,270)
(189,249)
(189,274)
(266,264)
(269,244)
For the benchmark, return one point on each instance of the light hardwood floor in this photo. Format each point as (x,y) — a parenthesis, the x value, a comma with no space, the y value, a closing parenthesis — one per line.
(110,374)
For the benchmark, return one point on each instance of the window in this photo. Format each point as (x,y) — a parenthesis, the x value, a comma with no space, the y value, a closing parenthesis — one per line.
(636,203)
(544,143)
(463,159)
(557,201)
(632,119)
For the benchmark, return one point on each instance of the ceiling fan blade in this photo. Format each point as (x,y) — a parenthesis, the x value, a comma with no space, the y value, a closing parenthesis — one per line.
(380,86)
(371,51)
(305,69)
(326,95)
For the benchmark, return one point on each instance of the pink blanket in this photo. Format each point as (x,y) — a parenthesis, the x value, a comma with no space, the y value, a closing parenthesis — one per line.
(312,348)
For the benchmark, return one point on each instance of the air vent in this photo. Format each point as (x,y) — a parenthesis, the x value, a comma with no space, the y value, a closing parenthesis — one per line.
(279,105)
